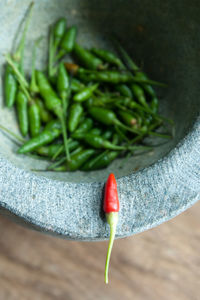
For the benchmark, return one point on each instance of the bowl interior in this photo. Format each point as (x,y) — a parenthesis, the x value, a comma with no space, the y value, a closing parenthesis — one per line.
(161,36)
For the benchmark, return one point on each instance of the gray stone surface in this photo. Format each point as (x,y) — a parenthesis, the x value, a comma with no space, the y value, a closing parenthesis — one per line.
(168,179)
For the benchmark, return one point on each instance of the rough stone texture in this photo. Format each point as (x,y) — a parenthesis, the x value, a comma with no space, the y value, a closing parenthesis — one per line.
(168,181)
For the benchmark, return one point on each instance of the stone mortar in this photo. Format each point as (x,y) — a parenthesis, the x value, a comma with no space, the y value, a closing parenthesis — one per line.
(163,36)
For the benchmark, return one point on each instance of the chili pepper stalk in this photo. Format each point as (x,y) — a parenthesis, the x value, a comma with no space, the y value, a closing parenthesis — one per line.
(18,56)
(111,209)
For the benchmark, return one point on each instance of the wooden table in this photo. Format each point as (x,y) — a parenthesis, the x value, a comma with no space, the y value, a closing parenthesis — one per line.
(161,264)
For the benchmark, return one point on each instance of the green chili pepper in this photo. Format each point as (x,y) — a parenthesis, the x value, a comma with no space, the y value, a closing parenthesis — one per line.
(78,159)
(85,125)
(10,81)
(106,159)
(99,142)
(63,85)
(34,119)
(108,117)
(77,150)
(22,112)
(148,88)
(100,161)
(61,165)
(128,118)
(94,101)
(80,135)
(76,85)
(124,90)
(87,59)
(134,105)
(10,87)
(50,151)
(62,168)
(108,56)
(95,131)
(73,145)
(116,138)
(75,113)
(51,132)
(85,93)
(147,120)
(23,100)
(63,159)
(59,31)
(154,105)
(112,76)
(103,115)
(19,76)
(107,134)
(68,41)
(45,115)
(53,103)
(139,94)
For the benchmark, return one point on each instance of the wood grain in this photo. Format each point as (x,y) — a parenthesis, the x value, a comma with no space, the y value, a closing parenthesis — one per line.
(163,263)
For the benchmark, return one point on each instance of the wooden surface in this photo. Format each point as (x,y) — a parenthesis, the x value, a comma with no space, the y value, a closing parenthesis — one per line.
(161,264)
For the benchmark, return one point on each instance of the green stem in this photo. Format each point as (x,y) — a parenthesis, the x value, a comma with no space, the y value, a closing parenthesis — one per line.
(19,54)
(56,164)
(60,54)
(117,122)
(112,219)
(135,148)
(33,85)
(17,137)
(58,152)
(121,133)
(36,156)
(125,55)
(162,135)
(51,55)
(64,132)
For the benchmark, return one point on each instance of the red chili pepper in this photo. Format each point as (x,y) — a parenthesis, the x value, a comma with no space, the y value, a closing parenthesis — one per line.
(111,209)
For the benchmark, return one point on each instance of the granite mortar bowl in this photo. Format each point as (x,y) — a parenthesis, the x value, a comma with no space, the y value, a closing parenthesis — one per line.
(163,36)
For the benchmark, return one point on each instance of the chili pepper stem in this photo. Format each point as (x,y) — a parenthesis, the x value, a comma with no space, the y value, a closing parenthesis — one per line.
(127,128)
(18,55)
(17,137)
(162,135)
(64,132)
(56,164)
(60,54)
(51,70)
(58,153)
(112,219)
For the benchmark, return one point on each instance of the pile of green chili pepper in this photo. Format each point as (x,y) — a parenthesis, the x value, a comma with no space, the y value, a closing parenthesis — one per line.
(84,112)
